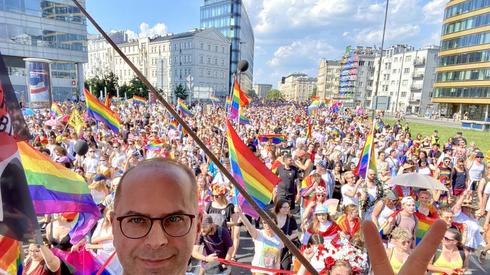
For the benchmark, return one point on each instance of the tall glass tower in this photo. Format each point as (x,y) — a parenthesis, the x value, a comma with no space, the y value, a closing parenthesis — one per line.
(462,86)
(231,19)
(53,30)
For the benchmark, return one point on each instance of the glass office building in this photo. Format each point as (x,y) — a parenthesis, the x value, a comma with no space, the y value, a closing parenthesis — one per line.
(231,19)
(462,86)
(54,30)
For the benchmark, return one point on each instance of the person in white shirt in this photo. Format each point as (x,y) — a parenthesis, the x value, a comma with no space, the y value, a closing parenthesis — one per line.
(350,190)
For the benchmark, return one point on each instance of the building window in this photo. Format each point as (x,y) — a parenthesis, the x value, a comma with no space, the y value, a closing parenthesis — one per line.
(403,94)
(405,83)
(406,70)
(201,59)
(408,58)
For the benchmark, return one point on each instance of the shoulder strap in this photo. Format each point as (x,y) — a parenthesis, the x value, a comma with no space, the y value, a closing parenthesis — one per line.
(463,256)
(436,256)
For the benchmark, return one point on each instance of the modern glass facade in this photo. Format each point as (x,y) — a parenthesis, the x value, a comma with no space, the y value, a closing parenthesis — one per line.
(231,19)
(54,30)
(463,77)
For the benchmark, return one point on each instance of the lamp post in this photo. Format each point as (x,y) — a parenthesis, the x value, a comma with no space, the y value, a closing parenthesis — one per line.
(380,58)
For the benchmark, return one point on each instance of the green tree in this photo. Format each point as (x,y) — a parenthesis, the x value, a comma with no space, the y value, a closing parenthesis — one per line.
(97,84)
(123,90)
(181,92)
(274,95)
(137,87)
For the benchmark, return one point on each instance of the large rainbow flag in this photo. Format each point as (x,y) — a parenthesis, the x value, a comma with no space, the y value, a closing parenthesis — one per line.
(56,189)
(10,258)
(101,113)
(181,106)
(249,171)
(368,159)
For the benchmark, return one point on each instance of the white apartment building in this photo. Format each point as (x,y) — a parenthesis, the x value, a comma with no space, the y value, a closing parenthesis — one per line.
(197,60)
(298,86)
(407,77)
(328,79)
(262,89)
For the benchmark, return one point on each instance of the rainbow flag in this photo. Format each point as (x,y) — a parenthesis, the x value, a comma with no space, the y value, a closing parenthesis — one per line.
(174,124)
(249,171)
(139,100)
(274,138)
(10,258)
(368,159)
(56,110)
(239,99)
(213,98)
(423,225)
(153,146)
(183,108)
(243,119)
(101,113)
(56,189)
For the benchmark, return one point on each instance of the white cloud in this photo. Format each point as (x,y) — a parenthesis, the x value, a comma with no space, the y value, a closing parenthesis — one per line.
(434,10)
(394,35)
(131,34)
(283,15)
(300,52)
(146,31)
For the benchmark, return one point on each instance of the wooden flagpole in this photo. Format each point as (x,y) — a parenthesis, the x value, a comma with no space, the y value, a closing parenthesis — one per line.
(295,251)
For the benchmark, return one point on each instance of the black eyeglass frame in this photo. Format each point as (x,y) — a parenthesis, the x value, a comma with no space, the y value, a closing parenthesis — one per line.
(162,219)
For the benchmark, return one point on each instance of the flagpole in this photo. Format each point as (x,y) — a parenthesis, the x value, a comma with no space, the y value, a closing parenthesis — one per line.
(203,146)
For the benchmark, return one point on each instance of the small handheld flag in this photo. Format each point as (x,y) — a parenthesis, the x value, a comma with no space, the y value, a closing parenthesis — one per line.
(101,113)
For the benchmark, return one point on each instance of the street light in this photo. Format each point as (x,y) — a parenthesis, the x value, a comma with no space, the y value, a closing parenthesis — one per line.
(380,58)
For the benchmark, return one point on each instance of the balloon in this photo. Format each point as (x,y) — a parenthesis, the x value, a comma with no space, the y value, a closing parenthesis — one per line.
(81,147)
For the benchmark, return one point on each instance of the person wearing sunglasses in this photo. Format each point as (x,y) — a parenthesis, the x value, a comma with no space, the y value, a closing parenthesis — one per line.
(155,221)
(450,259)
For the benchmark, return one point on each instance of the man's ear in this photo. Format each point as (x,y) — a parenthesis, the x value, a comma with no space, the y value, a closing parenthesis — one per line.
(199,225)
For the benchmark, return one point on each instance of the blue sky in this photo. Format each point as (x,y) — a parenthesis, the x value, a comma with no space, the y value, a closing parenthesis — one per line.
(290,35)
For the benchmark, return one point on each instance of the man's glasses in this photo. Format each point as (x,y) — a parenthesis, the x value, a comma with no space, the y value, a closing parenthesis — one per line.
(138,226)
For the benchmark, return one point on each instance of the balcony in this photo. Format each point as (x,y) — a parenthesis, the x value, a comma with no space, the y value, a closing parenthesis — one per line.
(419,62)
(416,87)
(418,76)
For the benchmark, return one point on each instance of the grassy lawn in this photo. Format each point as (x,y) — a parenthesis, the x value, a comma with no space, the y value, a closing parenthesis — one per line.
(482,139)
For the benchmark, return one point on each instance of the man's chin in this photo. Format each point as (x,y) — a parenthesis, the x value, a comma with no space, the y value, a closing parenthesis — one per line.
(165,265)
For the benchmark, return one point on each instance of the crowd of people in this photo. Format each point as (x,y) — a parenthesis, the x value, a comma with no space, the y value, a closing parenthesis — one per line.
(319,202)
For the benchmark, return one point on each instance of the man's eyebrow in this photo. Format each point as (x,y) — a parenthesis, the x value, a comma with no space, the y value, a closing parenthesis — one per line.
(131,213)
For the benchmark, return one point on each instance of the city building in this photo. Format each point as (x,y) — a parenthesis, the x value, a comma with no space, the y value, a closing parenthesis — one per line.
(298,86)
(262,89)
(407,77)
(55,31)
(197,60)
(231,19)
(328,79)
(356,77)
(462,88)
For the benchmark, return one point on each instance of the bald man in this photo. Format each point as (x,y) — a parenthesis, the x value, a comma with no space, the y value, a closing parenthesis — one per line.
(155,221)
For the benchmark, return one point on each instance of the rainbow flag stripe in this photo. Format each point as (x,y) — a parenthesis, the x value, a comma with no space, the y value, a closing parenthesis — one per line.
(10,257)
(214,98)
(101,113)
(274,138)
(249,171)
(139,100)
(368,159)
(56,189)
(423,225)
(181,106)
(56,110)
